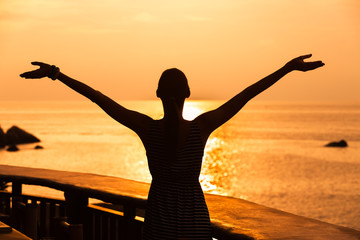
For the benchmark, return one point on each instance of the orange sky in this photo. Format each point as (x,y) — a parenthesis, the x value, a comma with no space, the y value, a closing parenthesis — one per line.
(121,47)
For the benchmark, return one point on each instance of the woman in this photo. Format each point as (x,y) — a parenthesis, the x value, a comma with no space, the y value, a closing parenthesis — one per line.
(176,207)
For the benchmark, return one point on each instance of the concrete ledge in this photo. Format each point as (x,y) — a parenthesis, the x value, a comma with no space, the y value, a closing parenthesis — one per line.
(238,218)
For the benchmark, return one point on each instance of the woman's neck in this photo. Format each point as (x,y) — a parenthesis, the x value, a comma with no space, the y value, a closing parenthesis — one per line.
(173,109)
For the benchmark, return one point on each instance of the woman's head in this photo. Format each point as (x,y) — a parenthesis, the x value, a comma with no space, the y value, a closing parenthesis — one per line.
(173,83)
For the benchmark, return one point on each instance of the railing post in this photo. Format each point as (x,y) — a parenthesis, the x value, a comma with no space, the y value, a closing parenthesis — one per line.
(44,219)
(129,212)
(132,227)
(5,200)
(16,188)
(31,220)
(76,211)
(76,232)
(60,225)
(17,206)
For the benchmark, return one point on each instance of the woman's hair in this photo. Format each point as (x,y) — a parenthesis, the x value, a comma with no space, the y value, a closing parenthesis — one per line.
(173,83)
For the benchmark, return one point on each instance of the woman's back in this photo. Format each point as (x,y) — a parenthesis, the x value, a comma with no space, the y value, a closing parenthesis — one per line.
(176,207)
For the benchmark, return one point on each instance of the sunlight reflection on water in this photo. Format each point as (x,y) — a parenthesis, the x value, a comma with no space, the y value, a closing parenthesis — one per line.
(216,170)
(212,167)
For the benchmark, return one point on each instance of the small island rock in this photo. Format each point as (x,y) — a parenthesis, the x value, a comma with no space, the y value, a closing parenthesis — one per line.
(16,135)
(341,143)
(12,148)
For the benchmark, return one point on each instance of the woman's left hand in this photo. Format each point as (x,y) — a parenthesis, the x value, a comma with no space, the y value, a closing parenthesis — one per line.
(299,64)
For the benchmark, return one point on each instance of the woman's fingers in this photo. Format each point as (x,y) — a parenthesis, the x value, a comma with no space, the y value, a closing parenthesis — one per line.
(31,74)
(314,65)
(40,64)
(25,75)
(305,56)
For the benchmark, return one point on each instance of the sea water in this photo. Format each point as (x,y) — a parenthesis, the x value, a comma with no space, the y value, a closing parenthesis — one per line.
(271,153)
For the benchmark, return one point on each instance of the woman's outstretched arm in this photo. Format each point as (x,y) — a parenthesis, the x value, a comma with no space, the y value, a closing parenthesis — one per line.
(211,120)
(134,120)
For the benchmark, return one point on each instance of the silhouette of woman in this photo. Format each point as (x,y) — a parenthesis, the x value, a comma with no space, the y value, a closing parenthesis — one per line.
(176,207)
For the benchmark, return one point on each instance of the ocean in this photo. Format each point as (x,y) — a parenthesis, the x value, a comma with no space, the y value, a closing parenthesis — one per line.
(271,153)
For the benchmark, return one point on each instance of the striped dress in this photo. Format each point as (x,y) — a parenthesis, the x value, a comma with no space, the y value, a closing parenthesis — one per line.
(176,207)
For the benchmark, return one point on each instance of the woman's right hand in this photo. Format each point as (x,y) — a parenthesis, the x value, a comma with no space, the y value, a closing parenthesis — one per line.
(44,71)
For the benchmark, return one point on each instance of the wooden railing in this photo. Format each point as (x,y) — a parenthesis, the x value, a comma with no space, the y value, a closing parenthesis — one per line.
(121,213)
(73,218)
(42,218)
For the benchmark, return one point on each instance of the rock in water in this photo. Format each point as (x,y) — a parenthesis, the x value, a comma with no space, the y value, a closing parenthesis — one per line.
(2,138)
(16,135)
(341,143)
(12,148)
